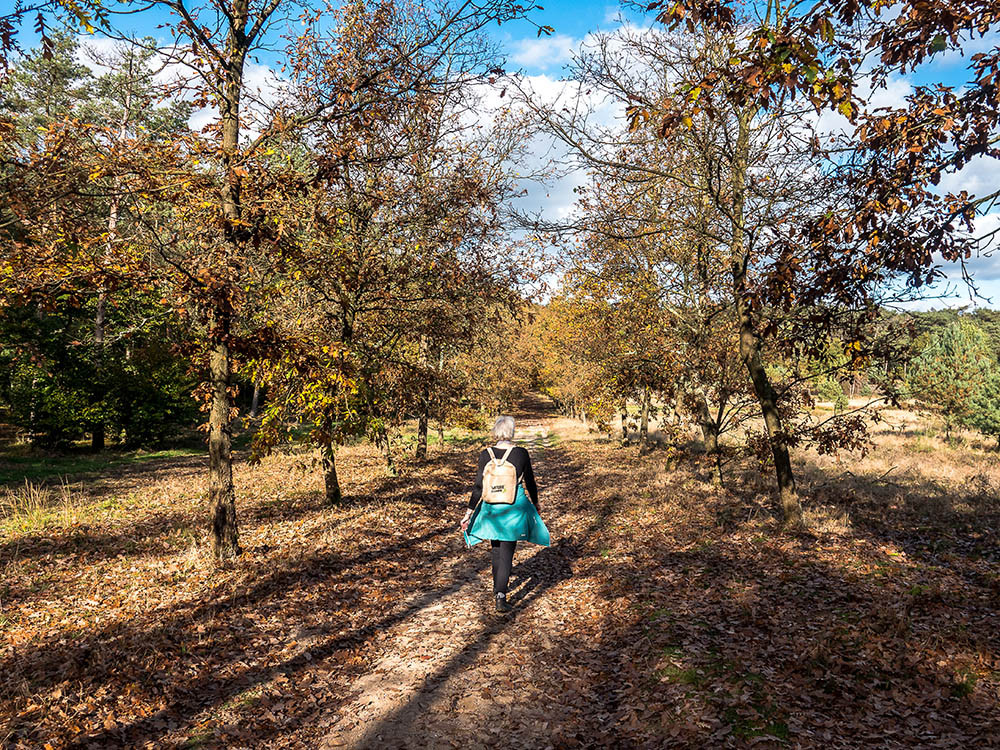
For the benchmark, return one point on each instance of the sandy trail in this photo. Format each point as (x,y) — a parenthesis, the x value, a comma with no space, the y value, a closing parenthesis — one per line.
(444,679)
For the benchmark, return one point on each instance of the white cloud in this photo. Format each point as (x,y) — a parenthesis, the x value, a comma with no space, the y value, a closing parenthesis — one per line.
(978,177)
(969,48)
(986,266)
(612,15)
(893,95)
(263,86)
(544,52)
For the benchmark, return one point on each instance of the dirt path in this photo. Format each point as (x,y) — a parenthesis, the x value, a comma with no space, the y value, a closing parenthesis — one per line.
(451,675)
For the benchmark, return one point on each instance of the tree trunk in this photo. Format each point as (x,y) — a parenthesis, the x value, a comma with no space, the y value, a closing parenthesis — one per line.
(644,422)
(255,403)
(422,433)
(440,432)
(709,427)
(331,483)
(33,410)
(763,390)
(624,418)
(390,463)
(222,495)
(97,430)
(749,344)
(425,399)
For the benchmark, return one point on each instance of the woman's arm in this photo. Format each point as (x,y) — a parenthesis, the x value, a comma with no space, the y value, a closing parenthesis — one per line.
(529,482)
(477,488)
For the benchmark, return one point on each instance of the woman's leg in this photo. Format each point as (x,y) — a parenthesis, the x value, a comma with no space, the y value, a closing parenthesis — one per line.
(503,560)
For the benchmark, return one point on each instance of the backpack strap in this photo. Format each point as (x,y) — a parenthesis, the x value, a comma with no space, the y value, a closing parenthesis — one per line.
(493,456)
(520,479)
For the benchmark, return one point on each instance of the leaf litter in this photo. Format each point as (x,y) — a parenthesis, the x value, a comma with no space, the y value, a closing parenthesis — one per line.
(654,620)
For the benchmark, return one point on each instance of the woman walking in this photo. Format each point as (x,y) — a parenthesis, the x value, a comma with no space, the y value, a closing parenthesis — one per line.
(506,511)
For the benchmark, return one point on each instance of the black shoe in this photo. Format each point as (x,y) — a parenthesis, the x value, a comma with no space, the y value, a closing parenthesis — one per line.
(502,605)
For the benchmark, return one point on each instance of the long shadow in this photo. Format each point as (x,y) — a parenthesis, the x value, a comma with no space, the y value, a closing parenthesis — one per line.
(783,645)
(140,538)
(533,578)
(547,567)
(209,631)
(203,653)
(182,709)
(537,574)
(455,472)
(730,644)
(735,637)
(145,537)
(115,658)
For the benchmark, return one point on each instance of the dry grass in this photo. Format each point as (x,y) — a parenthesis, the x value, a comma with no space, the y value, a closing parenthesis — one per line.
(827,519)
(33,507)
(911,469)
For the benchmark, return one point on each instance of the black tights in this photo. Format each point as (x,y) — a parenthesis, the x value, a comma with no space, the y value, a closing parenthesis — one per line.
(503,560)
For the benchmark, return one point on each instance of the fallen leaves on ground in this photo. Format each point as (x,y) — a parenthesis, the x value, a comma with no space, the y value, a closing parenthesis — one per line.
(669,612)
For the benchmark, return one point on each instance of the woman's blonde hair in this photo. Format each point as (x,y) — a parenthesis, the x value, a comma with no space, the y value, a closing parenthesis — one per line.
(503,429)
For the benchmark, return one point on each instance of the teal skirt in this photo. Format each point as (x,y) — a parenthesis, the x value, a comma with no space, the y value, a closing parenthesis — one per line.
(516,522)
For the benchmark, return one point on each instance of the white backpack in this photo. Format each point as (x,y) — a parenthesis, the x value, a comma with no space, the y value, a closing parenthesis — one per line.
(499,480)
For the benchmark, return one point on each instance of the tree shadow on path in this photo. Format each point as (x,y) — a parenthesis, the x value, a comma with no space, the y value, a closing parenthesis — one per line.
(421,721)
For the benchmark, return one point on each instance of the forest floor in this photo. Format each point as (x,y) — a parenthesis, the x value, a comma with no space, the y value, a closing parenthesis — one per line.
(670,611)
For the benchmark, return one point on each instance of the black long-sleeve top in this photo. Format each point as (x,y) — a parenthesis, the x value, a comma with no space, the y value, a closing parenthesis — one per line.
(522,462)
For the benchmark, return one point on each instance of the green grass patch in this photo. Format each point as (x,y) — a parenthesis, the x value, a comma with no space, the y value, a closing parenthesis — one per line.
(197,739)
(247,698)
(16,469)
(660,612)
(749,728)
(677,674)
(680,675)
(965,684)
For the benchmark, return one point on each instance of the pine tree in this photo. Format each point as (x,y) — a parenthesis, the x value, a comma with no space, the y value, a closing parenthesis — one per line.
(952,367)
(984,406)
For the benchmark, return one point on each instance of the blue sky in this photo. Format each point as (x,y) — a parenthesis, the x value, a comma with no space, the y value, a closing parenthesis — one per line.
(543,58)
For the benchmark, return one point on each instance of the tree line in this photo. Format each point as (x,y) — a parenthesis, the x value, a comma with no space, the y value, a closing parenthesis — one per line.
(333,241)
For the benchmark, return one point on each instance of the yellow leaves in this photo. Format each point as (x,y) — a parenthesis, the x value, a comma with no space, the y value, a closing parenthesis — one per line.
(637,116)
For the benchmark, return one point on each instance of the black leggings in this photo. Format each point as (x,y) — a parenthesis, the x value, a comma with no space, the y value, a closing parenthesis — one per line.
(503,560)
